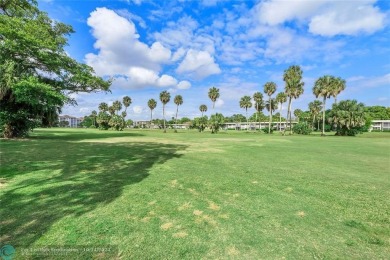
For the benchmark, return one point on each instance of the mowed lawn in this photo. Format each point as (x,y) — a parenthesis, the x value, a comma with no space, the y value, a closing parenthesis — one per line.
(190,195)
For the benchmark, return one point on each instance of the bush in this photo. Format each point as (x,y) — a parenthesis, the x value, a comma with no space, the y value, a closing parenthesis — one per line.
(302,128)
(265,130)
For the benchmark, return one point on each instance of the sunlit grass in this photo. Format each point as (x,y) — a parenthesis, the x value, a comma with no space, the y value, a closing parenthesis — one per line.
(197,195)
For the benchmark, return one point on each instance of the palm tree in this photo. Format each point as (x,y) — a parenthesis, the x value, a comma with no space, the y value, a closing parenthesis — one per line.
(293,87)
(259,105)
(164,98)
(269,89)
(152,105)
(103,107)
(315,108)
(337,88)
(94,114)
(246,103)
(213,95)
(203,108)
(323,87)
(178,100)
(271,106)
(280,99)
(124,114)
(111,110)
(297,113)
(126,102)
(117,106)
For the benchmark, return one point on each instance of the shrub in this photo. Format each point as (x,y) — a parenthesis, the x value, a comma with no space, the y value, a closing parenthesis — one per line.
(302,128)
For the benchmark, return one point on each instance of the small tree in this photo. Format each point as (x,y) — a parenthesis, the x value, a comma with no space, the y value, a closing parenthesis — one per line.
(165,97)
(203,108)
(349,117)
(246,103)
(215,123)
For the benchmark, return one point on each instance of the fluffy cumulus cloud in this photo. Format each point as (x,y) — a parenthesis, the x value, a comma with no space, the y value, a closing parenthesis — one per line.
(326,18)
(198,65)
(121,54)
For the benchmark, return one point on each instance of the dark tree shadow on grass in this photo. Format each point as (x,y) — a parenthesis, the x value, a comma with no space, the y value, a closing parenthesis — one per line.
(62,178)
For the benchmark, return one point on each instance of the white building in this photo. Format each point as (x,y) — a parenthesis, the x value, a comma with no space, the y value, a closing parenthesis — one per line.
(380,125)
(72,121)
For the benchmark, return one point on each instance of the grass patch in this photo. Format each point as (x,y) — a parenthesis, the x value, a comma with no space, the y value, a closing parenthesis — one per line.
(195,195)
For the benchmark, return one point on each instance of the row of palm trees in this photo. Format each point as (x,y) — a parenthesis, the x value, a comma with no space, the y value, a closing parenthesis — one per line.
(325,87)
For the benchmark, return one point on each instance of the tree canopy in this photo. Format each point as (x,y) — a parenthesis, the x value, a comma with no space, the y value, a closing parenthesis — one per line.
(32,57)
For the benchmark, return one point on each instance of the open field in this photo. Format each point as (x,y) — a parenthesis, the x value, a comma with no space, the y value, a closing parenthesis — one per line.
(198,196)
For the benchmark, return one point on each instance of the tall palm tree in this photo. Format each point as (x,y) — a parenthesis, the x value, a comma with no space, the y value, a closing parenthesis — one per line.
(315,108)
(271,105)
(323,87)
(178,100)
(337,88)
(297,113)
(165,97)
(259,105)
(280,99)
(126,102)
(293,87)
(152,105)
(269,89)
(203,108)
(246,103)
(111,110)
(117,106)
(94,114)
(213,95)
(103,107)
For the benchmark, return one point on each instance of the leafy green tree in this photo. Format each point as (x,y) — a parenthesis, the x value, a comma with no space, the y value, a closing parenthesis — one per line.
(323,87)
(129,123)
(293,87)
(184,120)
(349,117)
(32,56)
(213,95)
(102,119)
(178,100)
(302,128)
(116,122)
(298,113)
(215,123)
(152,105)
(377,112)
(315,109)
(203,108)
(111,110)
(94,115)
(165,97)
(271,106)
(103,107)
(200,123)
(117,105)
(339,85)
(269,89)
(126,102)
(246,103)
(259,106)
(280,99)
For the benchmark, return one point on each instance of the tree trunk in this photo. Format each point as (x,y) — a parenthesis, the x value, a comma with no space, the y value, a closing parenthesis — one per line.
(280,117)
(323,118)
(151,118)
(288,114)
(247,121)
(177,111)
(164,118)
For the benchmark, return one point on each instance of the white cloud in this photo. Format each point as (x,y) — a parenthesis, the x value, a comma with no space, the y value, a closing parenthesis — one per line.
(184,84)
(326,18)
(219,102)
(122,55)
(198,64)
(138,109)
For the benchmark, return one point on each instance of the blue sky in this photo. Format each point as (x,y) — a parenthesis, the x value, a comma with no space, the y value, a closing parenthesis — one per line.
(186,47)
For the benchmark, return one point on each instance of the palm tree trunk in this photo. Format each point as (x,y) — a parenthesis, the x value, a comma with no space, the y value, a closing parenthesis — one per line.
(270,115)
(164,118)
(318,124)
(323,118)
(202,113)
(288,114)
(151,118)
(280,117)
(177,111)
(247,121)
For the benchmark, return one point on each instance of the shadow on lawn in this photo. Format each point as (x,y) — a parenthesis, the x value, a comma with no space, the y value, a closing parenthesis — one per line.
(71,180)
(77,135)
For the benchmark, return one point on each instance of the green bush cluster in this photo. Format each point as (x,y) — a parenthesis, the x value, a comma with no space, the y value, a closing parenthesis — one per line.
(302,128)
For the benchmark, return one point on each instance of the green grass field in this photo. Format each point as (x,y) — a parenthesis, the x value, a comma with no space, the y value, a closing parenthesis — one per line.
(195,195)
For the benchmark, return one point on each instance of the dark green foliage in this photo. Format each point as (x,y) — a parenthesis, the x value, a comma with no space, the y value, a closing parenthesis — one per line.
(116,123)
(199,123)
(102,119)
(377,112)
(269,130)
(302,128)
(35,69)
(215,123)
(349,117)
